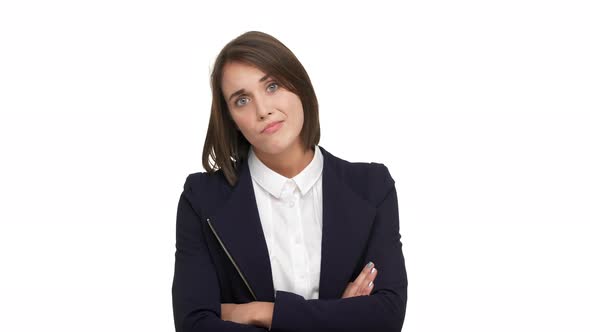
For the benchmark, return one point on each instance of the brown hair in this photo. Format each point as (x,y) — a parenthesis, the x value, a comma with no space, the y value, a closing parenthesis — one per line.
(225,144)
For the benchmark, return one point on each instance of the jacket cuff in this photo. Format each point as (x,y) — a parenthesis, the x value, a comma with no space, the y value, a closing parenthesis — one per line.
(283,299)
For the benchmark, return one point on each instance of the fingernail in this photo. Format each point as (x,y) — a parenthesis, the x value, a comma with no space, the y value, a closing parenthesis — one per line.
(370,284)
(370,264)
(372,270)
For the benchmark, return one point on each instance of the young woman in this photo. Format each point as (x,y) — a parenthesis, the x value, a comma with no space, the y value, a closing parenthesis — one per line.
(279,234)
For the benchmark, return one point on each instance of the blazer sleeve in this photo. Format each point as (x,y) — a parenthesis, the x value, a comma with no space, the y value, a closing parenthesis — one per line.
(195,287)
(383,310)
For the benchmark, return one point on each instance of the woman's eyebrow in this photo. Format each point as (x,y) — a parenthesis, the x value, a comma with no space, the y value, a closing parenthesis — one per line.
(262,79)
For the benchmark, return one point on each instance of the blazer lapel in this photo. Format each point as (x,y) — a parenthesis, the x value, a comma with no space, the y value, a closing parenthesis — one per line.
(347,221)
(239,228)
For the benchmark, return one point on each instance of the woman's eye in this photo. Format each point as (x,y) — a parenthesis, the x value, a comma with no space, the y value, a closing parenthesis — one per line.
(238,103)
(275,85)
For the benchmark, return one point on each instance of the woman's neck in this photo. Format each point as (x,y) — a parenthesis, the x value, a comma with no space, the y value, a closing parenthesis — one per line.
(289,162)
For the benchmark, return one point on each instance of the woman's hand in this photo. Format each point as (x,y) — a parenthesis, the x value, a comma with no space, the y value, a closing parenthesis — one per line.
(253,313)
(238,313)
(363,285)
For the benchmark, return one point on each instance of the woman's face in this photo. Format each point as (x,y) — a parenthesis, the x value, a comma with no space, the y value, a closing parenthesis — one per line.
(255,101)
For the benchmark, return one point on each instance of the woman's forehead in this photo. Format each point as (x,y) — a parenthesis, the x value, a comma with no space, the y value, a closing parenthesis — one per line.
(238,76)
(240,71)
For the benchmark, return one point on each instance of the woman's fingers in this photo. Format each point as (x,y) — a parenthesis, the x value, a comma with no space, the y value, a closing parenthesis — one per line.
(370,282)
(348,292)
(363,284)
(366,280)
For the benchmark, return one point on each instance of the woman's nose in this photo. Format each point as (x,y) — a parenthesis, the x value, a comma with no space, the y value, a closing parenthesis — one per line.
(263,107)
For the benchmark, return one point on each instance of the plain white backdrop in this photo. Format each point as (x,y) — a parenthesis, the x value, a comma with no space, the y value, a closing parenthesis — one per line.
(480,110)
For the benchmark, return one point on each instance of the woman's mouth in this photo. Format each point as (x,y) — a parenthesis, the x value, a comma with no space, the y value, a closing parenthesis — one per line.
(273,127)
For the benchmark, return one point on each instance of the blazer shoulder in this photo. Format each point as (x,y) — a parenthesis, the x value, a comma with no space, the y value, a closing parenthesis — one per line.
(205,190)
(192,182)
(372,180)
(382,174)
(190,189)
(380,181)
(372,172)
(203,181)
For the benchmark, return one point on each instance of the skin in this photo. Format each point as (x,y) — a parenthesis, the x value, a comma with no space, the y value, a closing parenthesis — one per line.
(282,151)
(260,104)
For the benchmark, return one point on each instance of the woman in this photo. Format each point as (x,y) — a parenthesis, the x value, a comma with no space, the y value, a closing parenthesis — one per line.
(278,233)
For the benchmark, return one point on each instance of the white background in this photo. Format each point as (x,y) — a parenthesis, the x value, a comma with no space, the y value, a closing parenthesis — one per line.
(479,109)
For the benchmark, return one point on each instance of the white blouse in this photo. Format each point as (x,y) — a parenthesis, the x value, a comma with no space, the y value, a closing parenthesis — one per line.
(291,215)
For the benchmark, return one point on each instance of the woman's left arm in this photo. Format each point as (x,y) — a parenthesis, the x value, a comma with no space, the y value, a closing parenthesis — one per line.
(383,310)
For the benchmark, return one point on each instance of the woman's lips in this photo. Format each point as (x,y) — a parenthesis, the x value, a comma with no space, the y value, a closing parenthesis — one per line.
(274,127)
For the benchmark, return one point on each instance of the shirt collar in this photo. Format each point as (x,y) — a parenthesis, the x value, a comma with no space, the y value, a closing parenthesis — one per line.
(274,182)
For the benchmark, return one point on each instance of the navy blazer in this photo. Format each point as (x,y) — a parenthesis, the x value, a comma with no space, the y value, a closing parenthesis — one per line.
(222,257)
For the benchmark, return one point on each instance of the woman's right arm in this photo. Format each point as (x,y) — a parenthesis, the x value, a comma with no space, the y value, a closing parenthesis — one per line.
(195,288)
